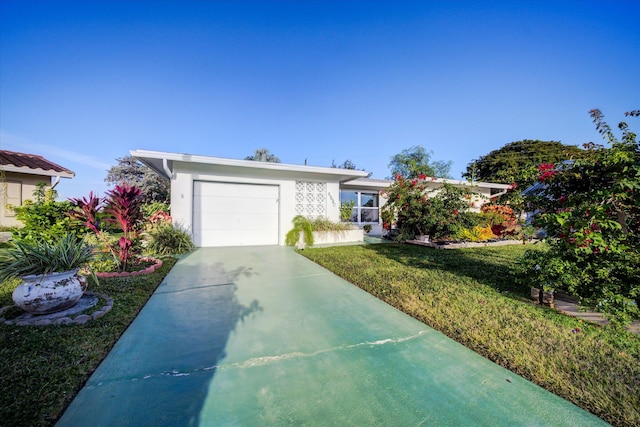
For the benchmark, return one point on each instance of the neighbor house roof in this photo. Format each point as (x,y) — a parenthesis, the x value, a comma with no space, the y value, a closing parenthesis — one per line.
(162,163)
(11,161)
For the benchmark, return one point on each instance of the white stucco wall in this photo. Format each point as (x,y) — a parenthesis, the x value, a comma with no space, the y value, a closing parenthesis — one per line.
(184,174)
(27,184)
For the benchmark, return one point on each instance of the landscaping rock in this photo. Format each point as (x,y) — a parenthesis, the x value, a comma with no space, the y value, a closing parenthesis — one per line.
(82,319)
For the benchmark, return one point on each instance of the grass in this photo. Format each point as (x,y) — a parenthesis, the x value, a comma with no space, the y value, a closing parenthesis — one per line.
(470,295)
(43,368)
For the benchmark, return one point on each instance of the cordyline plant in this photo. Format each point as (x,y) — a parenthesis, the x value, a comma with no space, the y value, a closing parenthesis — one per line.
(86,210)
(590,210)
(123,203)
(416,209)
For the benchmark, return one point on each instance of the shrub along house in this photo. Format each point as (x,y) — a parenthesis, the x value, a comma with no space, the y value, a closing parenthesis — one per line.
(227,202)
(20,174)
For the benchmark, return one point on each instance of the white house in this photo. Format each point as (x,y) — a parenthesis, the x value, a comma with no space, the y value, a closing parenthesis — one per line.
(227,202)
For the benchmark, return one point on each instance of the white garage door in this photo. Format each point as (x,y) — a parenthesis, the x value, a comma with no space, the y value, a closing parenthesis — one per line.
(227,214)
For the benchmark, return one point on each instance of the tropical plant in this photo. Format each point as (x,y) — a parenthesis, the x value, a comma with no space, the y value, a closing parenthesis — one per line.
(86,210)
(149,209)
(416,209)
(263,155)
(346,210)
(415,161)
(44,218)
(166,238)
(301,225)
(123,203)
(590,211)
(38,257)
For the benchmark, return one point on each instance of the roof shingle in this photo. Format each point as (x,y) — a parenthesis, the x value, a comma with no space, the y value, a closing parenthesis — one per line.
(31,161)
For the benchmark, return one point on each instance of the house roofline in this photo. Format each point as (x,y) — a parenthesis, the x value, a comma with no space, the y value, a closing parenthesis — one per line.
(166,159)
(41,172)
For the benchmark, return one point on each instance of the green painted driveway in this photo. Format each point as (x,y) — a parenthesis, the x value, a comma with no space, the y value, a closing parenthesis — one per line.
(262,336)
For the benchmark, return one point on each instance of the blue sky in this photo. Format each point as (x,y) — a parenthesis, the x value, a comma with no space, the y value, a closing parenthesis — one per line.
(85,82)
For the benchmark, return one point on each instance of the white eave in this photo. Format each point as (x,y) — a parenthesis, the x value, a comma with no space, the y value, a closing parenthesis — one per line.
(162,163)
(30,171)
(384,183)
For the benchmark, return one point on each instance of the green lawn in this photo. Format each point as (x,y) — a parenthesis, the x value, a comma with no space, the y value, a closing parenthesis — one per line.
(470,295)
(42,368)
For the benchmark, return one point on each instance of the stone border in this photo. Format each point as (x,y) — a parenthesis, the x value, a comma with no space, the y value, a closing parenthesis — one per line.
(147,270)
(80,319)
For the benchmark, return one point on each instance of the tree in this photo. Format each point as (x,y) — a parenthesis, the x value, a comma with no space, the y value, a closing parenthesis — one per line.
(590,211)
(414,161)
(132,172)
(518,161)
(263,155)
(347,164)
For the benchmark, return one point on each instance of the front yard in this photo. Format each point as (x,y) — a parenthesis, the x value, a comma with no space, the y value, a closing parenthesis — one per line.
(470,295)
(43,368)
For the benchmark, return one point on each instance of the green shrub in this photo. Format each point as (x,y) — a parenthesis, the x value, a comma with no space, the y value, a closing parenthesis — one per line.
(346,210)
(166,238)
(308,226)
(416,209)
(45,219)
(591,214)
(148,209)
(300,225)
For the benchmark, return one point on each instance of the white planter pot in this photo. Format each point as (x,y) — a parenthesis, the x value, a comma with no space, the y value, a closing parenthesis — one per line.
(43,294)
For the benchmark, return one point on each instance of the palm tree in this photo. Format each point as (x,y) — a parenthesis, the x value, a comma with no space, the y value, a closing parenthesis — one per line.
(263,155)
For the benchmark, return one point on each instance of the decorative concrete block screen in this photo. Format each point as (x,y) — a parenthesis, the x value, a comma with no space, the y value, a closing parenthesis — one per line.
(311,199)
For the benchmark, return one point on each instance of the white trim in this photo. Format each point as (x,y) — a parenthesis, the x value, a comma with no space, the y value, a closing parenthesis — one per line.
(146,156)
(29,171)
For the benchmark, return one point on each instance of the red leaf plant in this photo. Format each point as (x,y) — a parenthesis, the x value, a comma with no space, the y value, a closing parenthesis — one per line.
(86,211)
(124,204)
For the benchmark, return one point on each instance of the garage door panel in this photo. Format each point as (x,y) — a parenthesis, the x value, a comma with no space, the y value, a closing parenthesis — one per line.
(227,214)
(235,205)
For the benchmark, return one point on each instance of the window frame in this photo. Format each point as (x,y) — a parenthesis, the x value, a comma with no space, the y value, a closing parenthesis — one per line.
(358,208)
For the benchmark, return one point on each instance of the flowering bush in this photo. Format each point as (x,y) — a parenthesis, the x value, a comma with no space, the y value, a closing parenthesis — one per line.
(476,234)
(501,219)
(591,213)
(416,209)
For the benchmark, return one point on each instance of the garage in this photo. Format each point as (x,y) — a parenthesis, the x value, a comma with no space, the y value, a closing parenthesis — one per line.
(233,214)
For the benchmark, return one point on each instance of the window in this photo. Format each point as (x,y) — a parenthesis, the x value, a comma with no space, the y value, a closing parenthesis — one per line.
(366,205)
(13,196)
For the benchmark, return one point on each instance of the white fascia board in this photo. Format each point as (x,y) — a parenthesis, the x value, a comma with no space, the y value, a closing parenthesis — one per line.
(147,157)
(470,184)
(41,172)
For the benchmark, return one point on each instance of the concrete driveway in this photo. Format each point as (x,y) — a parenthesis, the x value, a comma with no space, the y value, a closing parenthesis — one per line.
(261,336)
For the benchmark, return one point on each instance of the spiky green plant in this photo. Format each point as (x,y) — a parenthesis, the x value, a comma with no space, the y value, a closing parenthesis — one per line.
(167,238)
(35,257)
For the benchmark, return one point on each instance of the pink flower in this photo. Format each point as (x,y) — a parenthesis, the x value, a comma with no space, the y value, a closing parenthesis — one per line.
(422,176)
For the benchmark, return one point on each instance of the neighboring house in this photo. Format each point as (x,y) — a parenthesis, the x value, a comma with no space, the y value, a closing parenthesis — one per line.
(227,202)
(20,173)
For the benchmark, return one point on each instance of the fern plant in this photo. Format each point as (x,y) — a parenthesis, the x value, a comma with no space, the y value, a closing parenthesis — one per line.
(300,225)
